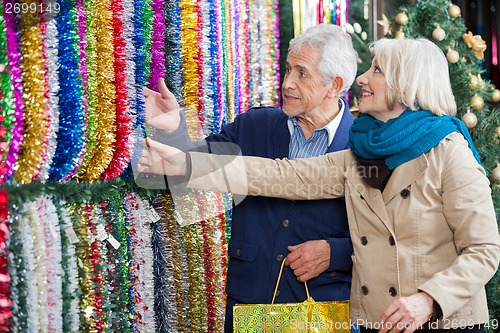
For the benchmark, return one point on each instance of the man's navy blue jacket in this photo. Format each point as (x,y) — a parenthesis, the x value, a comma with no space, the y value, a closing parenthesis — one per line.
(262,228)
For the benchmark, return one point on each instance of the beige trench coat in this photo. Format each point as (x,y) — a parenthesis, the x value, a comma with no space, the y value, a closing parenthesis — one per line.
(432,229)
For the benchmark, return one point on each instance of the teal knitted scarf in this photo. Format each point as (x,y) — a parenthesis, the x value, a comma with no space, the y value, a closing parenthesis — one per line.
(404,138)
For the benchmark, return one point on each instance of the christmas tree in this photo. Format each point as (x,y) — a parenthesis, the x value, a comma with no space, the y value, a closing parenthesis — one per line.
(440,21)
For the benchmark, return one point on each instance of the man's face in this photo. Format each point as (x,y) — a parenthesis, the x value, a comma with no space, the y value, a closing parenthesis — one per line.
(303,90)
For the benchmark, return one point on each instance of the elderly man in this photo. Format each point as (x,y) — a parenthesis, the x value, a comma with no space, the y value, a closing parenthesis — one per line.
(314,120)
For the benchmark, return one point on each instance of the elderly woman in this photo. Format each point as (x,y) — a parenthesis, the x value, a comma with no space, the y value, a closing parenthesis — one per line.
(419,205)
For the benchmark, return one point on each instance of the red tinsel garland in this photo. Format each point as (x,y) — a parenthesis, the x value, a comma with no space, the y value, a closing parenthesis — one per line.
(5,298)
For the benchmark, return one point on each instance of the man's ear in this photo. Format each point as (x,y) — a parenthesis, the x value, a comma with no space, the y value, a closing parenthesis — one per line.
(336,86)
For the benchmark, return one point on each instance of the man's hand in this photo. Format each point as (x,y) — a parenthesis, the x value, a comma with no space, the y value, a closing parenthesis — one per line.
(161,159)
(162,109)
(309,259)
(407,314)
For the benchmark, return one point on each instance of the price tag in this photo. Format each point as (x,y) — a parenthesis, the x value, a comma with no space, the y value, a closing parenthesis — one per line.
(153,215)
(101,232)
(114,243)
(71,234)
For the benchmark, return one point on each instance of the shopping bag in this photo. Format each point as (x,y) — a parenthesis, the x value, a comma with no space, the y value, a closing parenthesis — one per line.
(306,317)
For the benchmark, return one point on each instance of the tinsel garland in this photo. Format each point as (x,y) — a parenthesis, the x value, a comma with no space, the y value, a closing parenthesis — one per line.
(209,91)
(128,35)
(169,262)
(192,236)
(7,106)
(50,40)
(173,58)
(228,35)
(23,275)
(208,232)
(171,256)
(157,64)
(116,269)
(141,266)
(221,106)
(193,242)
(189,52)
(40,268)
(48,220)
(90,291)
(202,46)
(243,57)
(72,135)
(148,35)
(105,109)
(34,146)
(70,287)
(5,289)
(274,41)
(14,67)
(87,17)
(122,151)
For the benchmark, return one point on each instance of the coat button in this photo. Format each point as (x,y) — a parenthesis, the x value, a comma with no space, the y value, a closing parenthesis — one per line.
(392,242)
(364,240)
(333,273)
(238,252)
(393,292)
(286,223)
(279,257)
(405,193)
(364,290)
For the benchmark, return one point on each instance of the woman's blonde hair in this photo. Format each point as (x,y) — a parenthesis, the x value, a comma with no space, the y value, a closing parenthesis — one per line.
(416,71)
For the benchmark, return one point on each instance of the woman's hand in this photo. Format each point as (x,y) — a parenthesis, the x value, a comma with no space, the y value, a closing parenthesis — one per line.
(162,109)
(407,314)
(161,159)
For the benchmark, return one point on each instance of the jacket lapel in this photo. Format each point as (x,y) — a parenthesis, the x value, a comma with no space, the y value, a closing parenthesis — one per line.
(403,176)
(370,195)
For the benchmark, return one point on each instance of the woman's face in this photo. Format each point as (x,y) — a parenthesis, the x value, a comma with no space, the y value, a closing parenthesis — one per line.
(373,94)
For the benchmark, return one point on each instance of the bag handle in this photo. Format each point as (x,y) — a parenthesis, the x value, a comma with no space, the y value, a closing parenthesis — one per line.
(278,282)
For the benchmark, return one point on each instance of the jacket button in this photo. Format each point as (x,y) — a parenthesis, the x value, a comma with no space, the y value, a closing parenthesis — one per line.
(286,223)
(405,193)
(393,292)
(392,242)
(364,240)
(364,290)
(277,292)
(333,273)
(238,252)
(279,257)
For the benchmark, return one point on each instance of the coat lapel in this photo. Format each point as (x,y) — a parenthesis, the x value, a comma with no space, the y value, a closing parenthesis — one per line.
(403,176)
(370,195)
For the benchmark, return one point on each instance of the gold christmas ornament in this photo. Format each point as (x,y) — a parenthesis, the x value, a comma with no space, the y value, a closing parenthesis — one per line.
(452,56)
(477,102)
(469,119)
(454,11)
(497,131)
(495,174)
(438,34)
(400,34)
(476,43)
(401,18)
(495,96)
(473,82)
